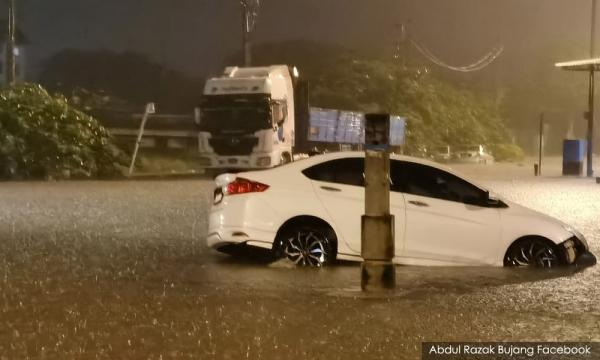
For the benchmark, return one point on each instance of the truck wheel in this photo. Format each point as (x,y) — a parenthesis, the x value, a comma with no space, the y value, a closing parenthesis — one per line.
(285,158)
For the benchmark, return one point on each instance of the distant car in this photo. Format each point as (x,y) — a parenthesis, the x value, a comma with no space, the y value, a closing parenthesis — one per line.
(442,154)
(476,154)
(310,212)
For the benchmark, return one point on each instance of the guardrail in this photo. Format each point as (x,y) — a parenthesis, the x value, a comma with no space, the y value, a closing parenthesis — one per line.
(162,131)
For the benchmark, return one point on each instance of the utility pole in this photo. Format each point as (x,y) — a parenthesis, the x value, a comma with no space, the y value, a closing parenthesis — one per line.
(249,14)
(10,45)
(246,35)
(404,39)
(541,149)
(590,133)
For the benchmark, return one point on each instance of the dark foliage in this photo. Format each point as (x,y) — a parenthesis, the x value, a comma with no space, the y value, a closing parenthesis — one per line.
(122,78)
(42,136)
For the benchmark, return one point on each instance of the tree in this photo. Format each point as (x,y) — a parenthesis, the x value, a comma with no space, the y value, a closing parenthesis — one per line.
(43,136)
(437,113)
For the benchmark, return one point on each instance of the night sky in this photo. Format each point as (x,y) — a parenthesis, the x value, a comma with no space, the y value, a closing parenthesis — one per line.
(195,36)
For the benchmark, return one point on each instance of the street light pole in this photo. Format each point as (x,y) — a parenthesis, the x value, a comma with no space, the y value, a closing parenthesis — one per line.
(541,148)
(10,45)
(250,10)
(246,33)
(590,130)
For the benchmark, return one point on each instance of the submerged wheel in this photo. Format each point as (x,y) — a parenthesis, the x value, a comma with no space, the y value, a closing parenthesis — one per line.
(307,246)
(535,252)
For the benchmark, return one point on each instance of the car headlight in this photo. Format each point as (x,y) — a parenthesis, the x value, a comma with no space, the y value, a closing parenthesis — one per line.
(579,236)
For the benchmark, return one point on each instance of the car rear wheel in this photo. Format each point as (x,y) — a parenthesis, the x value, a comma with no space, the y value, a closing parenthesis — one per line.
(307,246)
(534,252)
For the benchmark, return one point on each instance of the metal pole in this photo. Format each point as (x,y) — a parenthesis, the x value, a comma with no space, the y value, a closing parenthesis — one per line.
(149,109)
(404,47)
(377,241)
(10,45)
(246,45)
(590,134)
(593,29)
(590,130)
(541,144)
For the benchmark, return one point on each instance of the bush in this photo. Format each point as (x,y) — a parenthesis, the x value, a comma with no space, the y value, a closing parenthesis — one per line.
(42,136)
(507,152)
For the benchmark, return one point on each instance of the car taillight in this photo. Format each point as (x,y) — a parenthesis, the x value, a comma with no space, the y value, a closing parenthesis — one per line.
(244,186)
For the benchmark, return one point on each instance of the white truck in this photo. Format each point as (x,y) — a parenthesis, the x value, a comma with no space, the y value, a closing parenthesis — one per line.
(247,118)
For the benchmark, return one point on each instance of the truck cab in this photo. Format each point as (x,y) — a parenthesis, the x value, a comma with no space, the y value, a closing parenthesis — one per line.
(247,118)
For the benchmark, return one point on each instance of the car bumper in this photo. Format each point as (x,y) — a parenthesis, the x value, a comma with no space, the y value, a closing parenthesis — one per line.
(239,236)
(585,259)
(576,253)
(241,219)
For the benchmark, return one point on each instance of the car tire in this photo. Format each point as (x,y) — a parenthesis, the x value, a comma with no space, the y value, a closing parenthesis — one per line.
(306,245)
(533,252)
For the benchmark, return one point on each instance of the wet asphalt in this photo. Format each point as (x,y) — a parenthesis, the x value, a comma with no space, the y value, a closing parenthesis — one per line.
(119,270)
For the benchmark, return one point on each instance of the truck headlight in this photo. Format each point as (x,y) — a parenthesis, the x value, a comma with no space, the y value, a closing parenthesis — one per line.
(264,161)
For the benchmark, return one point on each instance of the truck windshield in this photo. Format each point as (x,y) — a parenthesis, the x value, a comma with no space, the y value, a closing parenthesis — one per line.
(227,114)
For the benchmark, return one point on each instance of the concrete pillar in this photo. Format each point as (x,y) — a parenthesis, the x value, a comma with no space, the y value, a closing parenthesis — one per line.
(377,242)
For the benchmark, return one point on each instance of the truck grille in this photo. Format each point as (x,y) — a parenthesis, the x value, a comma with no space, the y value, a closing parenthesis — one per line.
(230,146)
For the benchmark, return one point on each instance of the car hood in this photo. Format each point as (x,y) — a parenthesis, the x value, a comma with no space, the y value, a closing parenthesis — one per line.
(520,210)
(545,225)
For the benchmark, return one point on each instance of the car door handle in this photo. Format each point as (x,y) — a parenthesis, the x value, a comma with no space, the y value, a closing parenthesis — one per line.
(418,203)
(328,188)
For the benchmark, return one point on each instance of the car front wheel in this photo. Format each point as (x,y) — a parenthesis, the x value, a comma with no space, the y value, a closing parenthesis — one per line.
(533,252)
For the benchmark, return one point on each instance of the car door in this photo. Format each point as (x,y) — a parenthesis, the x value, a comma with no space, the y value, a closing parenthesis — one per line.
(446,220)
(339,185)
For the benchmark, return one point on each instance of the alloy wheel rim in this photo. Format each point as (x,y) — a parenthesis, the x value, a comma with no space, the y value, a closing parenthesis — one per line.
(534,254)
(307,249)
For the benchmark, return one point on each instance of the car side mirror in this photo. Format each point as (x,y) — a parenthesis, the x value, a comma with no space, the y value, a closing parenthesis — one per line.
(474,200)
(494,202)
(481,200)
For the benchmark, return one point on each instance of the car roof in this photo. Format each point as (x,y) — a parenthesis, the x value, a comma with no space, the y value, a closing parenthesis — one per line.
(317,159)
(302,164)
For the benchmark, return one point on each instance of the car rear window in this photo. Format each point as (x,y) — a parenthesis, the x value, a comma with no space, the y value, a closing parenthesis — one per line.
(348,171)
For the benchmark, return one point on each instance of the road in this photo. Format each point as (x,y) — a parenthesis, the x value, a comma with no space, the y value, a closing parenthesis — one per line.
(120,270)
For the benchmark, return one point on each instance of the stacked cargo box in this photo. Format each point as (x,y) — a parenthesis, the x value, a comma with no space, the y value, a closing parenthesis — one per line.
(347,127)
(323,123)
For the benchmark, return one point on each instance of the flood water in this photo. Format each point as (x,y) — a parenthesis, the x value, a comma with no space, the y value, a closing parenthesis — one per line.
(120,270)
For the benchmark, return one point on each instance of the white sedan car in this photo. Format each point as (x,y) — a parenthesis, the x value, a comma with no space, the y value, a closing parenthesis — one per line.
(310,211)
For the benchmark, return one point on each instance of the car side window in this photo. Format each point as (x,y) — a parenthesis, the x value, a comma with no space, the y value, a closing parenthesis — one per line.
(340,171)
(423,180)
(396,173)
